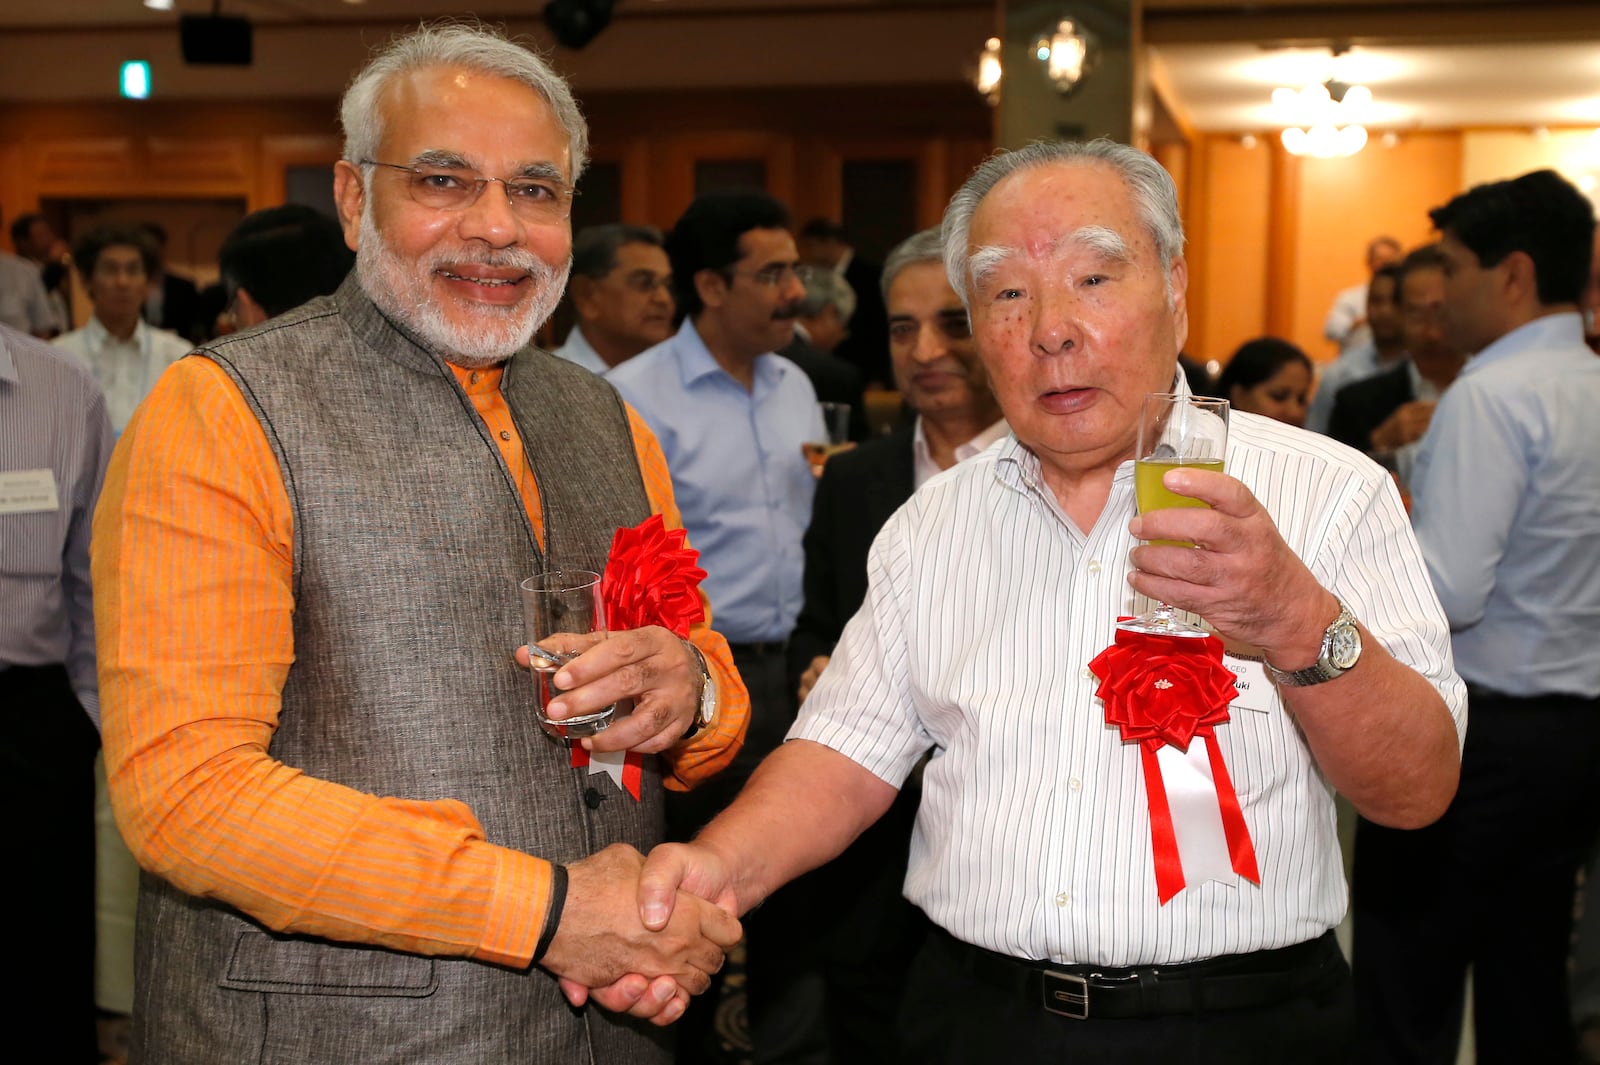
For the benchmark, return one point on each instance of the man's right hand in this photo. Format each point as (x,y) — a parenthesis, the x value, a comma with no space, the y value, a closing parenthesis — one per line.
(808,679)
(1406,425)
(600,937)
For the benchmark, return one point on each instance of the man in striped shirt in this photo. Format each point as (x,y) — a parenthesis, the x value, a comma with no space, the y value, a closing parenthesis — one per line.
(989,595)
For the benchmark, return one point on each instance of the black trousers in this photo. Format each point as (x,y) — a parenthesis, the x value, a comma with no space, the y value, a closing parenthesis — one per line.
(1490,886)
(950,1018)
(47,749)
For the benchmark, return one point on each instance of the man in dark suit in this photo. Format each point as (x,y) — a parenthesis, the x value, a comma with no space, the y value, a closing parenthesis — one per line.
(821,326)
(823,243)
(1387,414)
(174,302)
(867,945)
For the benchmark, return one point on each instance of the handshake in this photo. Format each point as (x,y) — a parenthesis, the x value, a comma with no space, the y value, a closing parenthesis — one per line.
(640,936)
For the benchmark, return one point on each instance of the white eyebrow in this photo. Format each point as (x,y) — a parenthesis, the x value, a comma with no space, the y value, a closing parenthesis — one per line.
(1102,240)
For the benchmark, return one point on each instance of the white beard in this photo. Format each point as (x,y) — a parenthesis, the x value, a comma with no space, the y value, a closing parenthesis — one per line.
(401,290)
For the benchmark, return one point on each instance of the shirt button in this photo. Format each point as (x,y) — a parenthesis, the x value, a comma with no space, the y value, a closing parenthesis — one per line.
(1088,674)
(1094,565)
(472,378)
(1075,784)
(505,434)
(1063,898)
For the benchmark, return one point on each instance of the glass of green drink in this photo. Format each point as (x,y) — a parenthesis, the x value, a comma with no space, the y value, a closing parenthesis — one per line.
(1174,430)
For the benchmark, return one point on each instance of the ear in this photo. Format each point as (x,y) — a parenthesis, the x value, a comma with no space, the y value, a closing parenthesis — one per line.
(1521,281)
(712,287)
(1178,288)
(582,291)
(350,196)
(250,313)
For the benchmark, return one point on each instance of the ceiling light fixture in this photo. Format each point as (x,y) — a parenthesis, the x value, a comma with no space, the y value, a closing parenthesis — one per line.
(990,72)
(1322,119)
(1068,52)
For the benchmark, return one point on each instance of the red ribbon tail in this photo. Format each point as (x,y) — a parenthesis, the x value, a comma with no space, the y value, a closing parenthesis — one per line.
(1240,849)
(1163,840)
(633,773)
(580,757)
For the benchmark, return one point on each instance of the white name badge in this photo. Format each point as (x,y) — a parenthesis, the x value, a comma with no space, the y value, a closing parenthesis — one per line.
(27,492)
(1253,689)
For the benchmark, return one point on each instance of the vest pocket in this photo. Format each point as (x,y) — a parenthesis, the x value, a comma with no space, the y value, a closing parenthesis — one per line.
(290,966)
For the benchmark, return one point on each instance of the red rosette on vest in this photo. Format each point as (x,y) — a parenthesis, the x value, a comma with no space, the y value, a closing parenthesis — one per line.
(651,578)
(1164,691)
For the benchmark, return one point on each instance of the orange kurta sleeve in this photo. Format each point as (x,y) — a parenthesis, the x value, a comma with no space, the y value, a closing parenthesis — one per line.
(710,751)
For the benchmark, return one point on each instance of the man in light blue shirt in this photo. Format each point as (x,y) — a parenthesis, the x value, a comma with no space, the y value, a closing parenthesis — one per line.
(621,292)
(733,419)
(1507,510)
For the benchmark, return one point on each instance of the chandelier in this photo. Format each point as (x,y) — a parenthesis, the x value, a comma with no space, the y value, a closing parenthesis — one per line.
(1067,51)
(1322,119)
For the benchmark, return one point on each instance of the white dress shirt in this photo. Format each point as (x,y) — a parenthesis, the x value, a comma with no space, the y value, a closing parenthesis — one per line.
(986,605)
(1506,501)
(24,303)
(924,469)
(125,369)
(578,349)
(54,445)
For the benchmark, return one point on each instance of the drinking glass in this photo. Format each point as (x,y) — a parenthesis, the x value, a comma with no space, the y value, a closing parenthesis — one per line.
(836,421)
(562,600)
(1174,430)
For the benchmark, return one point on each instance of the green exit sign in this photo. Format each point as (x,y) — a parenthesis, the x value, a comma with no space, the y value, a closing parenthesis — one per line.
(136,79)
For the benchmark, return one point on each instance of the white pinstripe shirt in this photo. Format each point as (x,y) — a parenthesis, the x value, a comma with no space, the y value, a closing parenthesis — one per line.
(52,418)
(985,607)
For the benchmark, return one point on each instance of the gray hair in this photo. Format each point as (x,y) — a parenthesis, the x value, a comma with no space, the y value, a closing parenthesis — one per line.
(1150,185)
(923,247)
(594,249)
(825,288)
(450,43)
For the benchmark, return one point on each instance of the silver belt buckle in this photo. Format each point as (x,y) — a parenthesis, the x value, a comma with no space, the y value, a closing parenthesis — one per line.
(1066,995)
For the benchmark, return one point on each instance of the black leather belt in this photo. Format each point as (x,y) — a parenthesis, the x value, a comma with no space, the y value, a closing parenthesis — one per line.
(1082,992)
(771,647)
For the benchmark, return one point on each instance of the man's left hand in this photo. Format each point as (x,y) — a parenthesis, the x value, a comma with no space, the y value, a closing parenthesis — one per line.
(1240,577)
(651,666)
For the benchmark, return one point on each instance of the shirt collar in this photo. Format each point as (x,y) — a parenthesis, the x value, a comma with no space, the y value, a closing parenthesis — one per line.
(99,336)
(1564,330)
(976,446)
(695,361)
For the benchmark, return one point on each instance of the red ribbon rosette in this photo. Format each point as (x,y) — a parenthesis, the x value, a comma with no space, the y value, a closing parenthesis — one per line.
(1164,691)
(650,578)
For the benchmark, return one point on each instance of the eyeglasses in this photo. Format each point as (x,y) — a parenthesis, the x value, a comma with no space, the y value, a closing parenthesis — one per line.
(455,189)
(768,276)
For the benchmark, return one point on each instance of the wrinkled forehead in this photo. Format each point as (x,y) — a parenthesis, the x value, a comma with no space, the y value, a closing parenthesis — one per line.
(1047,212)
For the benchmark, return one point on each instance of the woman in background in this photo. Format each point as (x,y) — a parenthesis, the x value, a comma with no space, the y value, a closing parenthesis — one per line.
(1270,377)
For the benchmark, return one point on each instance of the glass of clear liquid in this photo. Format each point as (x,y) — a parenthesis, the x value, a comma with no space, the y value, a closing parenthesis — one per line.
(562,601)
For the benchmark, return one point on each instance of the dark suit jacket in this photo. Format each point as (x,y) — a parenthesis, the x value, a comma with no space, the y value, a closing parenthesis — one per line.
(867,346)
(181,308)
(1361,407)
(858,492)
(833,379)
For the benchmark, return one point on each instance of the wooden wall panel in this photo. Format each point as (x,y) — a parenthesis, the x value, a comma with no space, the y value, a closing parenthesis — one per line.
(1230,247)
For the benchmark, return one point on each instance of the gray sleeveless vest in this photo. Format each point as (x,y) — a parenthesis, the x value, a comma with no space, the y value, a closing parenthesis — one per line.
(409,541)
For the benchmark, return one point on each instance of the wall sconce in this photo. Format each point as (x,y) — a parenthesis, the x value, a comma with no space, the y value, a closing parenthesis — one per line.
(990,71)
(1068,52)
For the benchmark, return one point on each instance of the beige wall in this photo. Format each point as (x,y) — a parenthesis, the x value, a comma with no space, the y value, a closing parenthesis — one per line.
(1246,205)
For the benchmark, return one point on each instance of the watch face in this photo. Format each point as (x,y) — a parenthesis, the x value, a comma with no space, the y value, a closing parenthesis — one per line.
(1345,646)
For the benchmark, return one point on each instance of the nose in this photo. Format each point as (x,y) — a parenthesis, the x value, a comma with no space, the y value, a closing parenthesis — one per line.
(793,288)
(490,218)
(1056,328)
(930,345)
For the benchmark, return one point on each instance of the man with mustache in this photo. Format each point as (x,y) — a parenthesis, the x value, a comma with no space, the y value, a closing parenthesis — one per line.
(732,417)
(357,843)
(1070,924)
